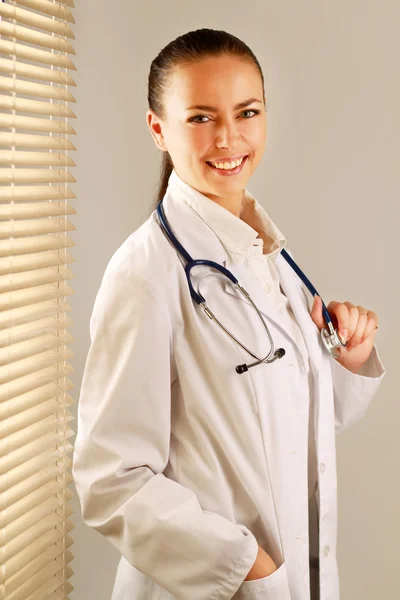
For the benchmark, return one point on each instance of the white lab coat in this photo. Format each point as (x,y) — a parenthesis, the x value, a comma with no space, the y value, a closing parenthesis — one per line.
(182,463)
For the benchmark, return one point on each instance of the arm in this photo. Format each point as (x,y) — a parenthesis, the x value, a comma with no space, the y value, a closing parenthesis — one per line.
(353,392)
(122,449)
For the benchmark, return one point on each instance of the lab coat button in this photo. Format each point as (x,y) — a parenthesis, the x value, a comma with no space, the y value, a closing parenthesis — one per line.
(326,550)
(322,467)
(267,288)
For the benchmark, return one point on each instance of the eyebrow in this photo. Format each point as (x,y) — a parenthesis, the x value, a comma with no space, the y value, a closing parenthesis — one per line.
(213,109)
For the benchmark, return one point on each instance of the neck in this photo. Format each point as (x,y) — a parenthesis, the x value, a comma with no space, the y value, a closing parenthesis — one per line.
(234,203)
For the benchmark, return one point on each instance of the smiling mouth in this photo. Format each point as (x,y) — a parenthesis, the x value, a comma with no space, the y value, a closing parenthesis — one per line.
(233,171)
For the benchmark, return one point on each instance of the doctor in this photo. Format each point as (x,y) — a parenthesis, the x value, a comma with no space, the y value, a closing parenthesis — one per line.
(215,485)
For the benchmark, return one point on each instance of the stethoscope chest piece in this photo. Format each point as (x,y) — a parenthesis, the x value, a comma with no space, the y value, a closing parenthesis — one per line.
(332,341)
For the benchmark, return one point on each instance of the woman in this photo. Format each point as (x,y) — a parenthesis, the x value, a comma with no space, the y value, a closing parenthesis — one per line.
(208,482)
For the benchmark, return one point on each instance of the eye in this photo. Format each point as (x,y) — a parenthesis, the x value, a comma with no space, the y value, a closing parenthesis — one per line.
(193,119)
(254,110)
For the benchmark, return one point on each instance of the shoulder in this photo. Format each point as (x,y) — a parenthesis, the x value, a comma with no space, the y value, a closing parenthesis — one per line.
(135,279)
(145,257)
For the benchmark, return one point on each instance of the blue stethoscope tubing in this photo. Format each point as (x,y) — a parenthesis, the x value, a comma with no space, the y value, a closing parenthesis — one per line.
(330,338)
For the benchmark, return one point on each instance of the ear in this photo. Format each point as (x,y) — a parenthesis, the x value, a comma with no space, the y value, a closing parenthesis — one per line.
(155,126)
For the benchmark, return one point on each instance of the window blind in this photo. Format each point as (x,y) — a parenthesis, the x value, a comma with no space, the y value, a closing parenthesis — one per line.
(36,42)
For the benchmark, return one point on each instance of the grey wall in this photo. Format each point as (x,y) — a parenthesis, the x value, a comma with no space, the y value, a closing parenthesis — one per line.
(329,179)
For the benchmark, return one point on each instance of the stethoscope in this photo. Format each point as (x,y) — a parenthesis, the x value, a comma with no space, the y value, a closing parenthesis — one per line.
(330,338)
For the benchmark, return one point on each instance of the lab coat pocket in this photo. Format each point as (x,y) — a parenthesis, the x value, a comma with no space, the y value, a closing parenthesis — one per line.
(271,587)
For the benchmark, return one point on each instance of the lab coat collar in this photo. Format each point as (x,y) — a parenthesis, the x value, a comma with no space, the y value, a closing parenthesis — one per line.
(238,236)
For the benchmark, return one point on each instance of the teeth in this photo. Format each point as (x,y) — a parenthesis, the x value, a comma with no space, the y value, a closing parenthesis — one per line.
(228,166)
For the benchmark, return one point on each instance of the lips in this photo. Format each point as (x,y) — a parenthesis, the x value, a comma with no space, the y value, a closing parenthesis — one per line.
(209,162)
(230,172)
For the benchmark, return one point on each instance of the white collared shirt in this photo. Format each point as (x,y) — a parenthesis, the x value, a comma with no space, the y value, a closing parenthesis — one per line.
(255,238)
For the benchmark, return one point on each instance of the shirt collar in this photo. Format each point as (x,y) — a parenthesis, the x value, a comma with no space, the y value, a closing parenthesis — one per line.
(238,236)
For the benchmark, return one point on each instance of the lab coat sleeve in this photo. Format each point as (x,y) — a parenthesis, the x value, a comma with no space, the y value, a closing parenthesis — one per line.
(122,449)
(354,392)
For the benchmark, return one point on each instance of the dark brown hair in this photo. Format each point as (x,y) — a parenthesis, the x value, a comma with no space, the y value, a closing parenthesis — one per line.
(185,49)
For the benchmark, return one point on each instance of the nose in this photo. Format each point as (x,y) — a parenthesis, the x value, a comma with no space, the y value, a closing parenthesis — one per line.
(227,135)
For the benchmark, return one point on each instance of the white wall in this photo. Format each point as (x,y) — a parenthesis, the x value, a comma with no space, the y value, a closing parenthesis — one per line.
(330,180)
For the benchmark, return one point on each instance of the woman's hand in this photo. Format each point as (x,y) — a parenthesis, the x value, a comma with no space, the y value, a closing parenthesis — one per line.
(361,324)
(263,566)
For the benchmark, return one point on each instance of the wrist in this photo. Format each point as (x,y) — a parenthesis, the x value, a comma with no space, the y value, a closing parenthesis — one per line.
(353,369)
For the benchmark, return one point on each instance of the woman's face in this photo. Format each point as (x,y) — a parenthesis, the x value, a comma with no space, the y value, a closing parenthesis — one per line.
(194,136)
